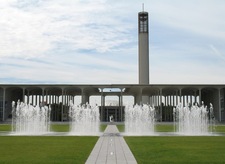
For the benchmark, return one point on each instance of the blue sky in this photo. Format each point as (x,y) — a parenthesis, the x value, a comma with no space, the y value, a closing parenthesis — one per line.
(95,41)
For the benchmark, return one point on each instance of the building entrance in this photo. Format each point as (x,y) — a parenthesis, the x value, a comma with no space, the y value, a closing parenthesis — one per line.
(115,112)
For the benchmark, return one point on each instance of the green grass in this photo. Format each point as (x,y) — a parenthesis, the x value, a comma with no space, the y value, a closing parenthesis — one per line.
(164,128)
(60,127)
(5,127)
(219,128)
(45,149)
(103,127)
(121,128)
(54,127)
(170,128)
(178,149)
(154,149)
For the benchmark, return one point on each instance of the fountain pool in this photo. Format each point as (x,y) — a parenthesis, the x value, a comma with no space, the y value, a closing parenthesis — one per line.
(84,119)
(30,120)
(139,120)
(193,120)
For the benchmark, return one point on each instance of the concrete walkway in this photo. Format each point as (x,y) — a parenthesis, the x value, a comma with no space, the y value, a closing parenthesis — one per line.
(111,148)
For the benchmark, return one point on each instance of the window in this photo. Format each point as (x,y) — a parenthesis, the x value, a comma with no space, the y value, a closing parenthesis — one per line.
(143,22)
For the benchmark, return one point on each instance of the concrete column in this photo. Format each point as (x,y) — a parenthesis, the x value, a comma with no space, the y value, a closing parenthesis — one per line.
(184,101)
(180,95)
(102,104)
(195,96)
(36,100)
(200,97)
(3,108)
(85,97)
(46,95)
(43,94)
(32,98)
(28,97)
(121,104)
(177,102)
(23,95)
(62,105)
(50,98)
(165,100)
(138,97)
(158,100)
(219,105)
(160,93)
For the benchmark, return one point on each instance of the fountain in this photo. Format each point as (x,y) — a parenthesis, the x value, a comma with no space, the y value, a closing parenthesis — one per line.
(30,120)
(139,120)
(84,119)
(193,120)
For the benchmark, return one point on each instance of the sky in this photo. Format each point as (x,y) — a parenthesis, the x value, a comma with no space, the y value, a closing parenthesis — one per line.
(96,41)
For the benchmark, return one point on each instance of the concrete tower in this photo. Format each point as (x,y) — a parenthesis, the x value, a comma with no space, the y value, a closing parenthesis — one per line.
(143,55)
(143,47)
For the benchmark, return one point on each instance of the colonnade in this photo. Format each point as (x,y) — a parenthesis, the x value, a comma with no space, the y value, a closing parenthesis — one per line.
(157,95)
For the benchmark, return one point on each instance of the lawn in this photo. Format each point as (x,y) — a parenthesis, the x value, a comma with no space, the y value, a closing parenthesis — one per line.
(170,128)
(178,149)
(73,149)
(54,127)
(45,149)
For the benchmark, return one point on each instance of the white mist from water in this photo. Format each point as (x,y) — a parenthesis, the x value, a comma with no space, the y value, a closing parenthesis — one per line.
(139,120)
(30,120)
(193,120)
(84,119)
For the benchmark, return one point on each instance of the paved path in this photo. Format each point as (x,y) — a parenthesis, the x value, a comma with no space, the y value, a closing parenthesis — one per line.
(111,148)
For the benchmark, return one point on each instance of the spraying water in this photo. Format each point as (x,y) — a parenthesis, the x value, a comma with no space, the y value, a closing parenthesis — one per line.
(193,120)
(139,120)
(27,119)
(84,119)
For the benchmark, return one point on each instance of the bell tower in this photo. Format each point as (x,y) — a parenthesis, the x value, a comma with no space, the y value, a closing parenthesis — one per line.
(143,47)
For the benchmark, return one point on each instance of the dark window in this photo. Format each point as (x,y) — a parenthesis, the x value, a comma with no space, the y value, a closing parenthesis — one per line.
(143,22)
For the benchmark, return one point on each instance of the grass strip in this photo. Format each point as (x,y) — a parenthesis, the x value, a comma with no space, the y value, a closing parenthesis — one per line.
(45,149)
(170,128)
(53,127)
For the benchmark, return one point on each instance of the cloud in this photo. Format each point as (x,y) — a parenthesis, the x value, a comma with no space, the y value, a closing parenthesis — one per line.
(217,52)
(202,17)
(86,41)
(30,29)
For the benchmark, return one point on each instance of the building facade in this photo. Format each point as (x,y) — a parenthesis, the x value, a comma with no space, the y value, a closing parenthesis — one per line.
(163,97)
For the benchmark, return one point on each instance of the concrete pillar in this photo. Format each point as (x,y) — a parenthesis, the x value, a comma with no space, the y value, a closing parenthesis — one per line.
(3,108)
(84,96)
(28,96)
(195,94)
(180,95)
(43,94)
(62,110)
(102,104)
(23,95)
(121,104)
(200,97)
(219,105)
(138,96)
(32,98)
(177,102)
(160,93)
